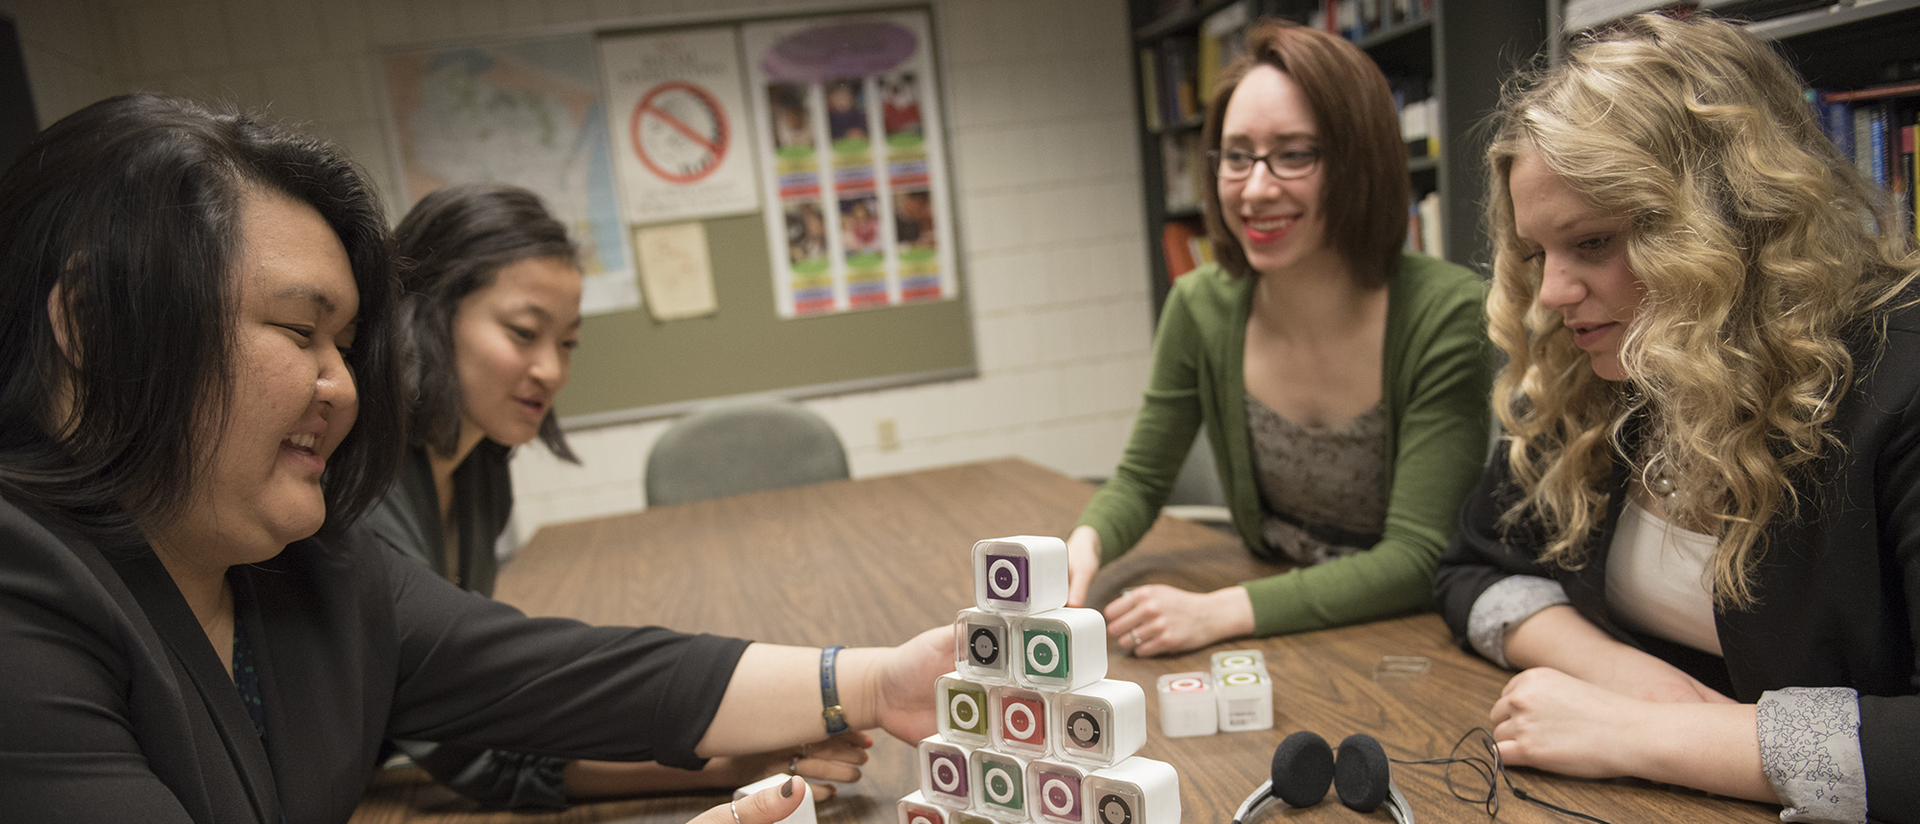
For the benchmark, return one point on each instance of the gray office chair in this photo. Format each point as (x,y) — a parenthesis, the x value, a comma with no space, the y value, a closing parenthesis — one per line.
(1197,494)
(741,448)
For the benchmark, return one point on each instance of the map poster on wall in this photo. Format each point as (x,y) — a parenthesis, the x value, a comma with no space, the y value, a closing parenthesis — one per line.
(679,124)
(847,118)
(526,113)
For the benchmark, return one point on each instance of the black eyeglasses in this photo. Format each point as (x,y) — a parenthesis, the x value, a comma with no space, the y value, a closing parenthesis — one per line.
(1283,164)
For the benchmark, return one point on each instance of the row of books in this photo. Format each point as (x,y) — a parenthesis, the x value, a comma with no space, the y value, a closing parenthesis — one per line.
(1419,114)
(1186,247)
(1425,226)
(1185,244)
(1183,171)
(1177,74)
(1169,88)
(1876,128)
(1356,19)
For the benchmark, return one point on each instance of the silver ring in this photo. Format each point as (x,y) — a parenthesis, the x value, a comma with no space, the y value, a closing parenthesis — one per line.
(793,765)
(734,810)
(1135,636)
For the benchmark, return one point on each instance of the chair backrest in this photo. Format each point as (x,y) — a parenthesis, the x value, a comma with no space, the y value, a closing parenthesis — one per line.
(1197,494)
(741,448)
(1198,483)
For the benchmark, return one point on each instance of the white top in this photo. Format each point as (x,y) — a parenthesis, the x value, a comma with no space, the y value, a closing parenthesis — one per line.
(1657,579)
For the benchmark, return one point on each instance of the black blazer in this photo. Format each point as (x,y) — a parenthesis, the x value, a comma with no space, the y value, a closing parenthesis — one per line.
(407,518)
(1839,587)
(113,706)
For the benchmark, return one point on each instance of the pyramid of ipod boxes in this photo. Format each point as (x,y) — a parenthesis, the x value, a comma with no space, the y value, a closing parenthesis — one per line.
(1031,729)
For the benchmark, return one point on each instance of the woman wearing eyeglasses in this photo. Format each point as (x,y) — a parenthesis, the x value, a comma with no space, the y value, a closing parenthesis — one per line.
(1343,383)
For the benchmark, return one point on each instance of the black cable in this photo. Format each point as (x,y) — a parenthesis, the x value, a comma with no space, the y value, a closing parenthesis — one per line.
(1490,773)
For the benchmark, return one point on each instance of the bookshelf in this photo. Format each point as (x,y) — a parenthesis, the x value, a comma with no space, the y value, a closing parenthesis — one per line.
(1446,56)
(1861,62)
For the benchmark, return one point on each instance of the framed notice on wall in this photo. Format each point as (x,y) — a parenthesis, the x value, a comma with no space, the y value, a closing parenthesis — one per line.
(679,118)
(852,165)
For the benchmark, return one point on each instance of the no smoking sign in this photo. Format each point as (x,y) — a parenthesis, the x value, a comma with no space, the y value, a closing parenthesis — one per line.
(679,132)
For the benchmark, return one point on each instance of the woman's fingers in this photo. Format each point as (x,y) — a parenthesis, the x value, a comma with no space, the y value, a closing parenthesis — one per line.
(764,807)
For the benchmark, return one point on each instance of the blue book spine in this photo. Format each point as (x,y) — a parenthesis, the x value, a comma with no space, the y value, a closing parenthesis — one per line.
(1840,127)
(1877,133)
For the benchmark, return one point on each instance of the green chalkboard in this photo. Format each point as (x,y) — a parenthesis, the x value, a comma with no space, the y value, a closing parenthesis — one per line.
(631,367)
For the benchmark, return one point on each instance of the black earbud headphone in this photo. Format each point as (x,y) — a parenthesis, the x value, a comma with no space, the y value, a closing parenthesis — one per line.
(1303,765)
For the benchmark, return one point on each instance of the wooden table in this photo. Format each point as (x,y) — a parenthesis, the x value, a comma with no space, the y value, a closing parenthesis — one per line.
(871,562)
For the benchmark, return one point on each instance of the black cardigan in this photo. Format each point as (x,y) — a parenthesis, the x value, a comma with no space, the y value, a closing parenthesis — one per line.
(113,706)
(407,518)
(1839,588)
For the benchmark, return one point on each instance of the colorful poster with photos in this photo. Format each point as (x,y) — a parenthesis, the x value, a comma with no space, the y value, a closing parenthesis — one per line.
(847,123)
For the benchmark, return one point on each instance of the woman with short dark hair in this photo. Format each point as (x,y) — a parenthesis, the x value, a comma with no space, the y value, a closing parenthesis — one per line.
(1342,381)
(195,308)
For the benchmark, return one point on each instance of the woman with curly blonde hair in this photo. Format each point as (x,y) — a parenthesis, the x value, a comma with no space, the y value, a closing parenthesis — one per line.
(1698,531)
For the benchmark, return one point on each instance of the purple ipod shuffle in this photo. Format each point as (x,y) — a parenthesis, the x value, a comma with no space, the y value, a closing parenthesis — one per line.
(949,773)
(1007,578)
(1060,793)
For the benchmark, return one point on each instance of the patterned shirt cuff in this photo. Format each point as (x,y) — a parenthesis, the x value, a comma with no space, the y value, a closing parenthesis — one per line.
(1503,606)
(1810,750)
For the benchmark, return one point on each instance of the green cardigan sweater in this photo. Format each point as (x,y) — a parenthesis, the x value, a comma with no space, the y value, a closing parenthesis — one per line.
(1437,377)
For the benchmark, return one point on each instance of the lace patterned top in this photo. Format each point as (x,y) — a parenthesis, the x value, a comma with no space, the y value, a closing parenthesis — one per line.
(1323,489)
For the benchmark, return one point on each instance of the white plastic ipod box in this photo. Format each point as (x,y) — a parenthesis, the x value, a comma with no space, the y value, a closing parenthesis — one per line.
(1002,790)
(980,647)
(1187,704)
(1020,575)
(946,772)
(1060,649)
(1134,791)
(1246,700)
(1020,719)
(802,814)
(1100,724)
(961,709)
(914,809)
(1053,788)
(1238,659)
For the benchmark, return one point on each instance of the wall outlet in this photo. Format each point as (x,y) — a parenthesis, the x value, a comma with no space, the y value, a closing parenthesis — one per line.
(889,434)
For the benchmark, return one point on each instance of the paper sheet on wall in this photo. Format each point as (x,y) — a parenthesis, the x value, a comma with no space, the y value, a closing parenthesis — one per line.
(675,270)
(679,116)
(526,113)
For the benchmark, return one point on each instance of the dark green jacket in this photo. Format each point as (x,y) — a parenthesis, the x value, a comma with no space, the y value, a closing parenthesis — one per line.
(1436,379)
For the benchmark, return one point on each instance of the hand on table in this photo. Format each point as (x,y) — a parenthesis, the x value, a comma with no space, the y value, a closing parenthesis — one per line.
(835,759)
(764,807)
(1083,560)
(903,687)
(1161,620)
(1548,719)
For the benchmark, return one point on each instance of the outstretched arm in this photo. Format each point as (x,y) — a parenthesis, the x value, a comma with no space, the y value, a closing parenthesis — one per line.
(773,699)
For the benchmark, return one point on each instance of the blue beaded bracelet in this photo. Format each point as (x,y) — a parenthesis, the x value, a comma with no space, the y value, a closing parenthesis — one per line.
(830,693)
